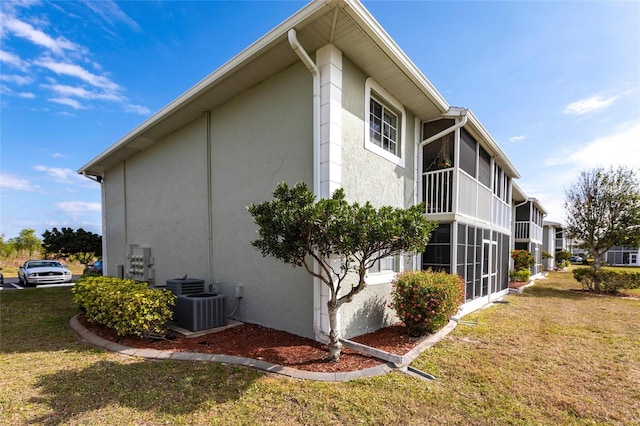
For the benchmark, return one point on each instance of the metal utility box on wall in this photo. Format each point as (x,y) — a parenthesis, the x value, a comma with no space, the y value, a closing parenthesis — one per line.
(140,262)
(197,312)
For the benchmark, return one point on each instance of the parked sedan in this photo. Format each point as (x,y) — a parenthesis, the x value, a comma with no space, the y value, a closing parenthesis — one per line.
(35,272)
(575,259)
(95,268)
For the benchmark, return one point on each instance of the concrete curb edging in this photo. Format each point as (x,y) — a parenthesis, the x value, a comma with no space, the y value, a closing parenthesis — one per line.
(406,359)
(393,361)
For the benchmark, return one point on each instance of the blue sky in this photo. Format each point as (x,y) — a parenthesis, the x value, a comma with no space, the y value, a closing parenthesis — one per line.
(556,83)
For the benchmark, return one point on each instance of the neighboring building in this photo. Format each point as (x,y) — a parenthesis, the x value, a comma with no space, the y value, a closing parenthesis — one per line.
(623,256)
(329,99)
(554,240)
(528,227)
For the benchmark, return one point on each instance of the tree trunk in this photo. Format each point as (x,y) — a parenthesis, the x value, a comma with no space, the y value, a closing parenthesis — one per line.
(335,347)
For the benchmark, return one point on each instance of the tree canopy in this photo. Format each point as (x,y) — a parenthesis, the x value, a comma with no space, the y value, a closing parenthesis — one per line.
(81,245)
(26,241)
(298,230)
(603,210)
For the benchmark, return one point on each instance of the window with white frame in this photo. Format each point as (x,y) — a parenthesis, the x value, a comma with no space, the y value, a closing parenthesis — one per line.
(385,123)
(384,270)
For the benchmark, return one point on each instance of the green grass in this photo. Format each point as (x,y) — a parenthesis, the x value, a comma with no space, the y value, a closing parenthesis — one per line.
(548,356)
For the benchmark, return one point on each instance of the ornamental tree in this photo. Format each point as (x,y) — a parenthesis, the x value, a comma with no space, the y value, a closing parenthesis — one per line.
(333,240)
(603,210)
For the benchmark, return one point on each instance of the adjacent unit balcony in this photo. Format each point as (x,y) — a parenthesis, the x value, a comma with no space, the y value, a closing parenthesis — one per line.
(471,199)
(526,230)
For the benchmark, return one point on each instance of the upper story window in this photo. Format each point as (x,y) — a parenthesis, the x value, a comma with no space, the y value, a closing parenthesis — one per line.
(385,124)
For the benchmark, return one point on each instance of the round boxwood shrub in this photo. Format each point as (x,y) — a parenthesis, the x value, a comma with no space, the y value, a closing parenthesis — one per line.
(426,300)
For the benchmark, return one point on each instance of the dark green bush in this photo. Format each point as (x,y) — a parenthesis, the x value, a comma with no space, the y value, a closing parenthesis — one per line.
(425,300)
(127,306)
(606,280)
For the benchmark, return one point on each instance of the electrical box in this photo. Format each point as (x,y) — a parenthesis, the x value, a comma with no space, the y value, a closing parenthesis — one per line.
(140,262)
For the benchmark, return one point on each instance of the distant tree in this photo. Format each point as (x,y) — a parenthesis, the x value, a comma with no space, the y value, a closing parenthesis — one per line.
(26,241)
(6,248)
(80,245)
(339,237)
(603,210)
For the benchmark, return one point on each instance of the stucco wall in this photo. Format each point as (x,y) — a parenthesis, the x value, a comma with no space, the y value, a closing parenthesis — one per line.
(368,177)
(261,138)
(159,199)
(114,231)
(165,192)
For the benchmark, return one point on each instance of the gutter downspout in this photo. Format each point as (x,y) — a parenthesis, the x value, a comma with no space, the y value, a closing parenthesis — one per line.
(459,124)
(315,73)
(463,120)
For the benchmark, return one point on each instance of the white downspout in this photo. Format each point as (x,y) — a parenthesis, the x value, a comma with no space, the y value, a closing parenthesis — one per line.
(453,128)
(463,120)
(315,73)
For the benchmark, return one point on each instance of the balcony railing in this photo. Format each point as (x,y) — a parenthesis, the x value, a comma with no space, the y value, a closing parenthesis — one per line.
(474,199)
(528,230)
(437,191)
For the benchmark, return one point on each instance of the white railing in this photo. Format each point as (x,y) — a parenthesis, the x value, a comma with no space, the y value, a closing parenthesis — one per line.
(437,191)
(501,214)
(528,230)
(473,199)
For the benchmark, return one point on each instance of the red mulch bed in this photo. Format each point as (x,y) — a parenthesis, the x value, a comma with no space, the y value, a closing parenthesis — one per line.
(277,347)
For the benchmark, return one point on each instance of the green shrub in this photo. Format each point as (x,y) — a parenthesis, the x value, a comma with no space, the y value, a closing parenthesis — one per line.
(127,306)
(425,300)
(522,259)
(606,280)
(523,275)
(513,275)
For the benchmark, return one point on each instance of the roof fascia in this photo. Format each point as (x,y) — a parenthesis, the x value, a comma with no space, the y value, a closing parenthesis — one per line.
(493,146)
(308,12)
(367,23)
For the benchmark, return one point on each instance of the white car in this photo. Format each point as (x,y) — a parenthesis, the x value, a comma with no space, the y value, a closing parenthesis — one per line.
(35,272)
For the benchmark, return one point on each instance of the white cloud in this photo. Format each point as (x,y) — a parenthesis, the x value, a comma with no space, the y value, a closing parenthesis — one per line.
(110,12)
(81,92)
(517,138)
(138,109)
(619,149)
(78,208)
(73,70)
(20,80)
(62,57)
(12,182)
(14,60)
(27,31)
(59,174)
(68,102)
(590,104)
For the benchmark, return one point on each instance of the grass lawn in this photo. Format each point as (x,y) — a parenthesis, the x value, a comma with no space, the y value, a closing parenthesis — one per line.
(547,356)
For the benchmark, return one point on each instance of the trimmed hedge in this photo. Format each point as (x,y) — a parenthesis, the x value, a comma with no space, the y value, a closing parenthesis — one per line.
(127,306)
(425,300)
(606,280)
